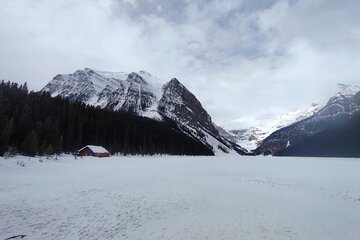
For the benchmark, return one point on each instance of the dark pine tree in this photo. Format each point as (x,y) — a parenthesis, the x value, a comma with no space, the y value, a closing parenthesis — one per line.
(29,146)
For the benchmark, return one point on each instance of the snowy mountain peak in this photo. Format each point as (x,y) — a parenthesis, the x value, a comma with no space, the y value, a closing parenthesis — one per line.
(178,102)
(143,94)
(134,77)
(175,81)
(347,89)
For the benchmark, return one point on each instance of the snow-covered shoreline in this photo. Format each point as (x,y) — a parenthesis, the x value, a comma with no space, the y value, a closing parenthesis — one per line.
(174,197)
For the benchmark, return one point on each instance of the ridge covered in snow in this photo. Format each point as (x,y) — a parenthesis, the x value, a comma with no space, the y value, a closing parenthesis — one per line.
(249,132)
(331,131)
(145,95)
(138,92)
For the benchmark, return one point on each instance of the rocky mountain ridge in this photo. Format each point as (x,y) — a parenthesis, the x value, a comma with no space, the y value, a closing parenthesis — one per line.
(145,95)
(250,132)
(333,125)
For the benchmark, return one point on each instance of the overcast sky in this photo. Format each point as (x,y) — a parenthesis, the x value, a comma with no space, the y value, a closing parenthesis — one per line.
(241,58)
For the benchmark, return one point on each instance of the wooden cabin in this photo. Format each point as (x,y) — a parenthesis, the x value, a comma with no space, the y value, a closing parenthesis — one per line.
(94,151)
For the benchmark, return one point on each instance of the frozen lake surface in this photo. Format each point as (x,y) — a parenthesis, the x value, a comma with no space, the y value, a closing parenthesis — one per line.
(231,197)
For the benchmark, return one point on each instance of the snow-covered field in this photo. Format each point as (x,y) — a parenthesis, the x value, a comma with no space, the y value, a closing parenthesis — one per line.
(230,197)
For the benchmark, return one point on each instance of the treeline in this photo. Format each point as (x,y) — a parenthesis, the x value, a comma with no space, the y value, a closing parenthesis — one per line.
(34,123)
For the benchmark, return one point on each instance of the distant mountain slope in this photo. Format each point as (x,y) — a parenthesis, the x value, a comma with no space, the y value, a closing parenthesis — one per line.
(145,95)
(249,132)
(332,131)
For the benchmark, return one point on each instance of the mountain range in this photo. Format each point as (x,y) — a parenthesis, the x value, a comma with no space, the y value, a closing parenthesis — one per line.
(331,131)
(249,132)
(143,94)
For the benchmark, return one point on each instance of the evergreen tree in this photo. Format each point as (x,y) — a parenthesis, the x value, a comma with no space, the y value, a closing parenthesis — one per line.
(49,150)
(8,131)
(59,148)
(29,146)
(43,147)
(24,88)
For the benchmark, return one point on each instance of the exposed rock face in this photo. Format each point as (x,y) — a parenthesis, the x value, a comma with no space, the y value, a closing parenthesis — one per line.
(334,118)
(139,96)
(179,103)
(67,87)
(225,134)
(143,94)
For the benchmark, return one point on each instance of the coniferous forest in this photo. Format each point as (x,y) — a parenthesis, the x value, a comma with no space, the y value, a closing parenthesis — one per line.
(34,123)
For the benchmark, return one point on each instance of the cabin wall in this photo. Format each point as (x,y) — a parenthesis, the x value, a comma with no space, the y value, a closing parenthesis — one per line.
(86,152)
(102,155)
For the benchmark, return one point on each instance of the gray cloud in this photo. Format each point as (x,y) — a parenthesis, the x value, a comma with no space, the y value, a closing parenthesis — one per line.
(241,58)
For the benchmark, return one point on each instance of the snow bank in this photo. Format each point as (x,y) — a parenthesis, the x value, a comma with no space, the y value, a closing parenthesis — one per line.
(156,197)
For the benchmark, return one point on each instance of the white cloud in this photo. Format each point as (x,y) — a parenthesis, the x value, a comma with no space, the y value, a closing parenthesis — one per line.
(241,58)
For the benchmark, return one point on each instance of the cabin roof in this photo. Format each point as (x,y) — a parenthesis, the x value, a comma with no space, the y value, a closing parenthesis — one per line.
(95,149)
